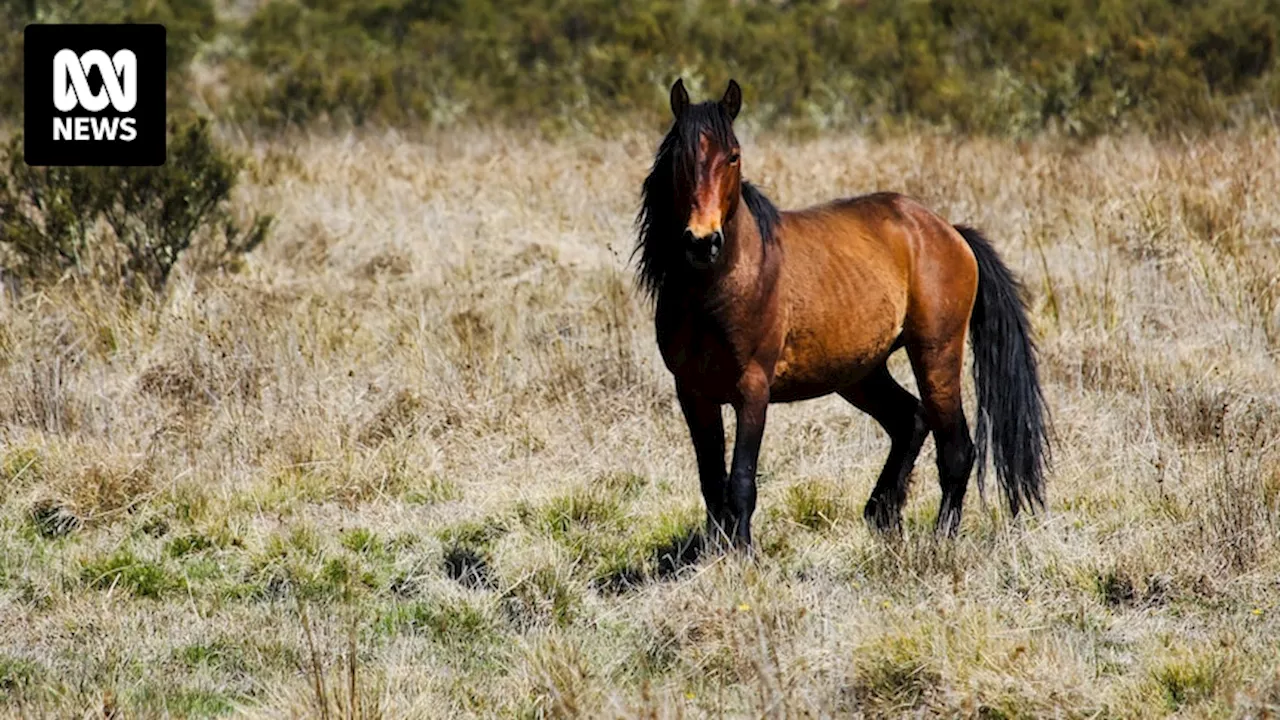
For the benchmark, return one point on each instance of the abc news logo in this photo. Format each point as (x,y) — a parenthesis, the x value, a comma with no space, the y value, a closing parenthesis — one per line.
(94,95)
(71,89)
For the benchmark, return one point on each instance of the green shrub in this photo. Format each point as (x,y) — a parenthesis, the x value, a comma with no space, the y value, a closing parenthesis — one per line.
(188,25)
(577,512)
(362,540)
(47,215)
(130,225)
(1082,66)
(189,544)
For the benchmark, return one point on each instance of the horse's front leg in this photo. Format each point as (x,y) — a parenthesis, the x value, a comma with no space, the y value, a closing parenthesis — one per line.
(706,429)
(751,408)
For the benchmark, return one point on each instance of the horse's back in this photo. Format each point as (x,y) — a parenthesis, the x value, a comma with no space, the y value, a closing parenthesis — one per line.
(861,274)
(930,256)
(860,249)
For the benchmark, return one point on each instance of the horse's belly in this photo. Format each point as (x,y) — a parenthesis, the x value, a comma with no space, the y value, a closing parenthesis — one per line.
(813,363)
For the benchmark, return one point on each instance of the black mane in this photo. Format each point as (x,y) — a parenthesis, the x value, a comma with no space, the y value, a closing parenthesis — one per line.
(658,221)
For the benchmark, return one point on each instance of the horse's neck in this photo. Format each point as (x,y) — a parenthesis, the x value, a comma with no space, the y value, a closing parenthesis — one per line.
(745,274)
(739,286)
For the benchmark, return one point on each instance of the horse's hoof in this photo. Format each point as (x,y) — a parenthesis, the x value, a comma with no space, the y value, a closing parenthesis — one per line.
(881,519)
(947,527)
(745,550)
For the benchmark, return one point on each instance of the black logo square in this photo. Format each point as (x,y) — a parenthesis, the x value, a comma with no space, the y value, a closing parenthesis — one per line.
(94,95)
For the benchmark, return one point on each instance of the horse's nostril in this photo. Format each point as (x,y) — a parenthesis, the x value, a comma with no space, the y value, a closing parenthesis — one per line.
(717,240)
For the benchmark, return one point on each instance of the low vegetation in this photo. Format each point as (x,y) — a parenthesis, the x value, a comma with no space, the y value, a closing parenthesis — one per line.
(1076,67)
(124,226)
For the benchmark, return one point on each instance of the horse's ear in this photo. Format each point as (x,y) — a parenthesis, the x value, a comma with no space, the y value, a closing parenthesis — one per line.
(679,98)
(732,100)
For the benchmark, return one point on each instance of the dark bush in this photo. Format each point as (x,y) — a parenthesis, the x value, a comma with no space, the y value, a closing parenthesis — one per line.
(156,214)
(47,216)
(126,224)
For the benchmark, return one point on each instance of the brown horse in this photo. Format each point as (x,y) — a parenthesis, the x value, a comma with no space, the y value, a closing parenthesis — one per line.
(755,306)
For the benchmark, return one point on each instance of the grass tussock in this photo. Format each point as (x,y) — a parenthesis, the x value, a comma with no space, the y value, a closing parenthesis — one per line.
(420,441)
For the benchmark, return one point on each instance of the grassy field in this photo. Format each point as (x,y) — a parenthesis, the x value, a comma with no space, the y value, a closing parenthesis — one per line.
(419,457)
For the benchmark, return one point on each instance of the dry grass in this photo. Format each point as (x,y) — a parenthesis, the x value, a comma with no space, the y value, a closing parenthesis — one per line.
(429,417)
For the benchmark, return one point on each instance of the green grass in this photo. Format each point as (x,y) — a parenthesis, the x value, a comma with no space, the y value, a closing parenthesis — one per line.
(581,511)
(188,544)
(449,621)
(1189,680)
(895,676)
(17,675)
(123,570)
(185,702)
(818,506)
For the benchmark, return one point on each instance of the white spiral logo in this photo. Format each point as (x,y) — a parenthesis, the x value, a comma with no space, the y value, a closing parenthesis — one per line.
(119,80)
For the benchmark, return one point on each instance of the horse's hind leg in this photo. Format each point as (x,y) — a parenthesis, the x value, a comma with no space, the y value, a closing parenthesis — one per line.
(937,368)
(901,415)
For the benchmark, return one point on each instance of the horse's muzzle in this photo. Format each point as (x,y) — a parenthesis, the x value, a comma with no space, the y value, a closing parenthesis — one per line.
(703,252)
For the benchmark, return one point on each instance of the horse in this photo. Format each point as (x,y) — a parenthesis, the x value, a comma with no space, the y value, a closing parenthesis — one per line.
(753,306)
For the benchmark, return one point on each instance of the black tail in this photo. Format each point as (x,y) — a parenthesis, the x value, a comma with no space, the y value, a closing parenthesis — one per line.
(1011,412)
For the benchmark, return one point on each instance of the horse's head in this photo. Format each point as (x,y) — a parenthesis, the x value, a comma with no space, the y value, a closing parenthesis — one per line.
(690,200)
(706,170)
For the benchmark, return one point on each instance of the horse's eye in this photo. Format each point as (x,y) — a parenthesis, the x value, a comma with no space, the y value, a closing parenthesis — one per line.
(734,158)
